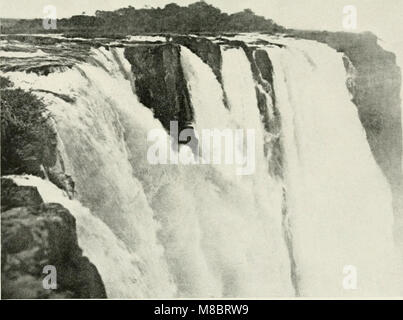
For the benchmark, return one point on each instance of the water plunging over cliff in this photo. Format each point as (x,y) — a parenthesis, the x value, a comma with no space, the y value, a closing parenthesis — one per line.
(202,230)
(339,202)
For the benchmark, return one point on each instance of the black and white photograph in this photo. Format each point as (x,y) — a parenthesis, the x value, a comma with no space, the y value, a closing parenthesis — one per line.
(218,149)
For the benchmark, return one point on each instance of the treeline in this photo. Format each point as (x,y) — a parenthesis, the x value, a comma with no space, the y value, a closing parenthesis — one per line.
(198,17)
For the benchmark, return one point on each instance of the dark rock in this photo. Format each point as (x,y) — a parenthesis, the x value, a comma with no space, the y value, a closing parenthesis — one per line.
(18,196)
(264,65)
(160,83)
(36,235)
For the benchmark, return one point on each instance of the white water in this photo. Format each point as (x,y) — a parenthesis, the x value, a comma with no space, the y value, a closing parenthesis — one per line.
(147,38)
(97,156)
(339,202)
(13,54)
(244,221)
(198,231)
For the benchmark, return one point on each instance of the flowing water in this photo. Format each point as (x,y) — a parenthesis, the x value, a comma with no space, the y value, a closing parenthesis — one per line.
(339,201)
(203,230)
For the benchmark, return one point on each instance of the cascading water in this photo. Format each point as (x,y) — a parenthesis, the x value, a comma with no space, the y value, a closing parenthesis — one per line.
(202,230)
(96,155)
(244,217)
(223,241)
(339,202)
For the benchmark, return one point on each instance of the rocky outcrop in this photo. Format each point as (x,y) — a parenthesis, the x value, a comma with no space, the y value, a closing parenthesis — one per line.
(34,235)
(160,83)
(13,196)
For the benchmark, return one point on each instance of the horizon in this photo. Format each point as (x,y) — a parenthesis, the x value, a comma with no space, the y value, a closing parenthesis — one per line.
(305,15)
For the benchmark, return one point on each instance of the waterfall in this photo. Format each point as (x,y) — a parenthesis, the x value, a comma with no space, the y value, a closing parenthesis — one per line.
(339,202)
(201,230)
(195,231)
(98,157)
(244,218)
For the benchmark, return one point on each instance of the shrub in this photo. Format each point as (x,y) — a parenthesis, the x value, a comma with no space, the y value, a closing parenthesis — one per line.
(27,139)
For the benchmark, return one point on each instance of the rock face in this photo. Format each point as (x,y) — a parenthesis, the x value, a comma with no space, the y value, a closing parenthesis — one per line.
(160,84)
(34,235)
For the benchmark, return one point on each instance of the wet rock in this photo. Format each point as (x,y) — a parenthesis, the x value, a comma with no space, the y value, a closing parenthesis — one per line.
(160,83)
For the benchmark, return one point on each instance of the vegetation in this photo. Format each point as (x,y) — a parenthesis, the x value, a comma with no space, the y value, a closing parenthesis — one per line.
(27,140)
(198,17)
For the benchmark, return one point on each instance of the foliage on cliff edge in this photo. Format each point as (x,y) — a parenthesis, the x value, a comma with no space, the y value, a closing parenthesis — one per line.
(27,139)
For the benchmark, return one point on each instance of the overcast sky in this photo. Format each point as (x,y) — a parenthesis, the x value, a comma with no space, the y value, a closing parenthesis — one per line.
(383,17)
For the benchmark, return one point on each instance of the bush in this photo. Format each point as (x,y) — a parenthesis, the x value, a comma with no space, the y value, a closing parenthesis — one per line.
(27,139)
